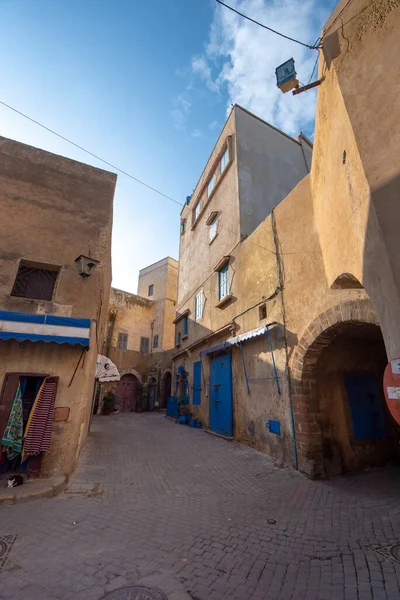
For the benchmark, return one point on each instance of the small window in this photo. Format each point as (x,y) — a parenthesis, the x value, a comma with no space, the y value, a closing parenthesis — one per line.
(198,305)
(196,212)
(122,343)
(151,290)
(224,160)
(178,338)
(183,226)
(155,341)
(144,345)
(262,312)
(35,282)
(211,185)
(223,276)
(213,229)
(185,325)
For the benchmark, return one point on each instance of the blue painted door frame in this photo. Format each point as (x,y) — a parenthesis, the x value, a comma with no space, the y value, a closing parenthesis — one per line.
(197,383)
(221,411)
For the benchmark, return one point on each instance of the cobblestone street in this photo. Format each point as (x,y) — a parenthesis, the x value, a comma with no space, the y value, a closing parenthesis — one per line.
(179,510)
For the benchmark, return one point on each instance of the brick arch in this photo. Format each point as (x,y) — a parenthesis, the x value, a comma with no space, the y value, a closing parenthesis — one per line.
(319,334)
(132,372)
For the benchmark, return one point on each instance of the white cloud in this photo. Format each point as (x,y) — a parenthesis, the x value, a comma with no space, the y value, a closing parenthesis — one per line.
(245,56)
(180,112)
(213,125)
(196,133)
(201,67)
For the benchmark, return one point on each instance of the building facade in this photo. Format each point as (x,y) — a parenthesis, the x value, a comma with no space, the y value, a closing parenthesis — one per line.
(140,337)
(223,293)
(54,289)
(284,334)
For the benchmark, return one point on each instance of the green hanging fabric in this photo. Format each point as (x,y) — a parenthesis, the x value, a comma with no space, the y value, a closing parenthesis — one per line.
(13,434)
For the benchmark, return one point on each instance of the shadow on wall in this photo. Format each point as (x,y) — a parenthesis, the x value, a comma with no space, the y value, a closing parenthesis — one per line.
(381,260)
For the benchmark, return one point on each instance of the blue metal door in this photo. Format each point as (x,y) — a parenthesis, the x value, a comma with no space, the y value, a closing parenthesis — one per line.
(221,416)
(366,406)
(197,383)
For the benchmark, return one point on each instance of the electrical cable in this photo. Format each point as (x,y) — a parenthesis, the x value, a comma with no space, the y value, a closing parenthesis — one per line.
(334,20)
(91,153)
(312,74)
(266,27)
(131,176)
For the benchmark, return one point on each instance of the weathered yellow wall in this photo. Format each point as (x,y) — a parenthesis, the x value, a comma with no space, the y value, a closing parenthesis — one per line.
(140,316)
(53,210)
(356,206)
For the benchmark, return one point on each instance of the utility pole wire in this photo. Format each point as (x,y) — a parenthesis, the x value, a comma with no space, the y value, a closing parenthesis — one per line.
(90,153)
(266,27)
(132,177)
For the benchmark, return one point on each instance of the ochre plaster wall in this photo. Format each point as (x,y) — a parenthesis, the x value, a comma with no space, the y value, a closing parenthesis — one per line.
(53,210)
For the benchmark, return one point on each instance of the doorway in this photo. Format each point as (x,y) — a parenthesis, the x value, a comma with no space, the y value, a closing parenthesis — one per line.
(30,385)
(357,429)
(221,410)
(127,392)
(166,389)
(151,394)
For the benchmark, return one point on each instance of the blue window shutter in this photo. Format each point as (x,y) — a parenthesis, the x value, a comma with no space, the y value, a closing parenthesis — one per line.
(185,326)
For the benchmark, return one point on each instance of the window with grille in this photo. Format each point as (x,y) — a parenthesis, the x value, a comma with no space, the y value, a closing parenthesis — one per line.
(155,341)
(144,345)
(122,343)
(262,312)
(213,229)
(151,290)
(224,160)
(35,282)
(185,325)
(196,211)
(223,282)
(199,302)
(211,185)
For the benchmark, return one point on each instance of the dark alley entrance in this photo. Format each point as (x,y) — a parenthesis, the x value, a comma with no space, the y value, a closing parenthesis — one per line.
(356,427)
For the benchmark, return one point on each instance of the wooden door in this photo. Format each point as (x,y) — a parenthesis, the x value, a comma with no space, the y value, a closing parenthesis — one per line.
(127,393)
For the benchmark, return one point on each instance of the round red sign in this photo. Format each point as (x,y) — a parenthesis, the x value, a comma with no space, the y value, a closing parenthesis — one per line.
(391,388)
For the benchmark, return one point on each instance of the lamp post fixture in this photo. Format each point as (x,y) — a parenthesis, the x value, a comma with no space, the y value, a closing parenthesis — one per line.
(85,265)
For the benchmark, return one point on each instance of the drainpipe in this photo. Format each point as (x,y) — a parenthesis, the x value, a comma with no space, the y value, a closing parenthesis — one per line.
(112,315)
(281,286)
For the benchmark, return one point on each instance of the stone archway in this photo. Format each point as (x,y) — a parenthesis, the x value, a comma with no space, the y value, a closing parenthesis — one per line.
(132,372)
(328,327)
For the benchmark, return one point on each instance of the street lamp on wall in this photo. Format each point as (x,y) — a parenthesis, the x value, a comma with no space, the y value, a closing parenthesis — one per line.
(85,265)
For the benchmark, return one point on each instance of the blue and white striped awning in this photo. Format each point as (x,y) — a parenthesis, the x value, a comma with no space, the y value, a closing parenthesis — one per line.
(44,328)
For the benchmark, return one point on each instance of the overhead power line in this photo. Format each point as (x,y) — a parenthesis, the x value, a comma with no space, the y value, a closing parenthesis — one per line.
(266,27)
(150,187)
(91,153)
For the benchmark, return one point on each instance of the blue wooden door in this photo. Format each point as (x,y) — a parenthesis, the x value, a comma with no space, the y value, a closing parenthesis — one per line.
(221,416)
(366,406)
(197,383)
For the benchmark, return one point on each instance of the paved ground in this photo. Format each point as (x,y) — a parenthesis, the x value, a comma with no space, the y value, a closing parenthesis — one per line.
(177,509)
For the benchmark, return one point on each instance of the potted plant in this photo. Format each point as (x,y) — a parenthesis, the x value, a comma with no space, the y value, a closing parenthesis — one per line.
(109,402)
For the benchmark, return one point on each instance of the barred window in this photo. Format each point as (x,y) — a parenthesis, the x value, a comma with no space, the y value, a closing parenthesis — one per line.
(155,341)
(35,282)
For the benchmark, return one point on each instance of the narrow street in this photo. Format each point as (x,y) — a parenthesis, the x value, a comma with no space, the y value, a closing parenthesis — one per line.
(179,510)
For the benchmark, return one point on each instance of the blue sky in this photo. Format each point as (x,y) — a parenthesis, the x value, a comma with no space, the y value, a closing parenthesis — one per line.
(147,86)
